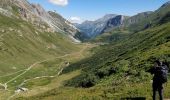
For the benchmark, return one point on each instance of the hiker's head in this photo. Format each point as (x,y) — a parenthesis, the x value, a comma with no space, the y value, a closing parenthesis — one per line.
(157,63)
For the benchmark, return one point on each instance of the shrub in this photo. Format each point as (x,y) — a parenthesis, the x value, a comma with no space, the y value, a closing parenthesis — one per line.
(88,80)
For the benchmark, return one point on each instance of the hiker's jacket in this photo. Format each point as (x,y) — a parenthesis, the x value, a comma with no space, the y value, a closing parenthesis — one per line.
(157,74)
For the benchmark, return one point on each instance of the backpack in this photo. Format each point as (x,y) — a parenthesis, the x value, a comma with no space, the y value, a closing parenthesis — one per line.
(164,73)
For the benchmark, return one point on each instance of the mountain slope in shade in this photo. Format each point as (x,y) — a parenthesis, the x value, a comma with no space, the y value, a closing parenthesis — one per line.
(115,22)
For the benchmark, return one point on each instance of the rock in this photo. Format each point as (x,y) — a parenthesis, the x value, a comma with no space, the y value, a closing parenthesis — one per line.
(20,34)
(36,32)
(3,31)
(10,29)
(17,91)
(20,89)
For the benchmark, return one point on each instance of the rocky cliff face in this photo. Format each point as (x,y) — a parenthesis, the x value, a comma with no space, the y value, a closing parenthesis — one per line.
(62,24)
(115,22)
(34,13)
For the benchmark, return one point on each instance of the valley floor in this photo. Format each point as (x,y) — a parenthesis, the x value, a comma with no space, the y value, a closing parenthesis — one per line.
(38,77)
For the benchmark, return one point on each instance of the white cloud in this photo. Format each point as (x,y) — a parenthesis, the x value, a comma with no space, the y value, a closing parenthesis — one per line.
(75,20)
(59,2)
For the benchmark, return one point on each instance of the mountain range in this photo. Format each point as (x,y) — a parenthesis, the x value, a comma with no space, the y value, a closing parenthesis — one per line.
(91,29)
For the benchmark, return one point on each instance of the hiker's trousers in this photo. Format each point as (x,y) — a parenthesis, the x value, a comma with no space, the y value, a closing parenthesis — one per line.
(157,87)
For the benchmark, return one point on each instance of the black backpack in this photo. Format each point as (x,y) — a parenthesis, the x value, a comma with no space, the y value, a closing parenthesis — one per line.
(164,73)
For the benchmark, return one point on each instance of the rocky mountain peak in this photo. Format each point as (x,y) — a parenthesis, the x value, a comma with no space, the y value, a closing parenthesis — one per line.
(106,17)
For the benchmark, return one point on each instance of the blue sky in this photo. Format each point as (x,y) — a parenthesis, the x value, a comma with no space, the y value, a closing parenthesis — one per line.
(79,10)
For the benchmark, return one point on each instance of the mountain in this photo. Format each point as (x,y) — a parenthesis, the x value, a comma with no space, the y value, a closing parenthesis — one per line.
(91,29)
(28,34)
(34,13)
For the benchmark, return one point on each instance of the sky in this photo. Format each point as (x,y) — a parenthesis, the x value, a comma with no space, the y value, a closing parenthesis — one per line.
(78,11)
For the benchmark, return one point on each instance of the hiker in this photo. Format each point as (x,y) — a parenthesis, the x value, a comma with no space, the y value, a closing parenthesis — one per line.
(160,71)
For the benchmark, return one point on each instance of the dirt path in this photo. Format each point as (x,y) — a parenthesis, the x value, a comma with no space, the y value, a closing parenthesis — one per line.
(12,73)
(30,67)
(61,69)
(32,79)
(56,83)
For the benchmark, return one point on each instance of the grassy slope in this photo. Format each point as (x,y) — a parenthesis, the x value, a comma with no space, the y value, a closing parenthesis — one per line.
(45,84)
(151,20)
(118,70)
(113,36)
(23,44)
(22,41)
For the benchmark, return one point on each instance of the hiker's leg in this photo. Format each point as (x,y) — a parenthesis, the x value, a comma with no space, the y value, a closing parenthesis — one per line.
(154,94)
(154,88)
(160,94)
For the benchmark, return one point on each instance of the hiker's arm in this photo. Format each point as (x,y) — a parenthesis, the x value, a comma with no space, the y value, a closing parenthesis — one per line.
(151,70)
(168,69)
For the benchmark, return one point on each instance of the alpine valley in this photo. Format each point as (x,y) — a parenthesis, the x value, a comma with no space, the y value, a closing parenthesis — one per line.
(43,56)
